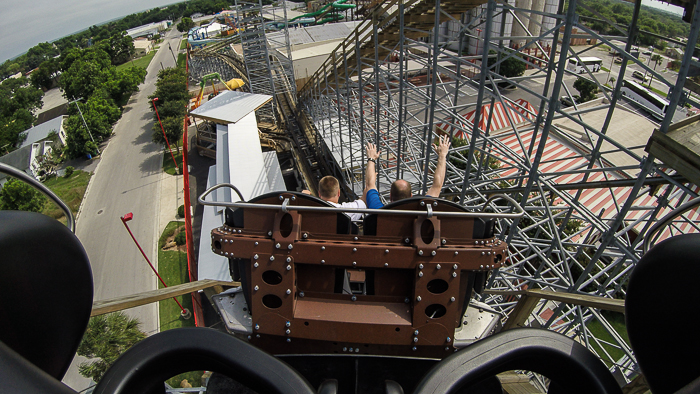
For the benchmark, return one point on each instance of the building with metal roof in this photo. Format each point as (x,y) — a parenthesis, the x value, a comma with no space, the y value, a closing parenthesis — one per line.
(239,161)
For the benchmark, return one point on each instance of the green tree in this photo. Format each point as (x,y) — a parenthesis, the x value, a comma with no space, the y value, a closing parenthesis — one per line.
(19,196)
(105,339)
(45,76)
(586,88)
(120,48)
(100,114)
(514,66)
(173,126)
(84,71)
(185,25)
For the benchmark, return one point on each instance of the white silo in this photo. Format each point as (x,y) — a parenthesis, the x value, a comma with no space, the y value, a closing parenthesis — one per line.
(502,18)
(518,30)
(536,19)
(548,23)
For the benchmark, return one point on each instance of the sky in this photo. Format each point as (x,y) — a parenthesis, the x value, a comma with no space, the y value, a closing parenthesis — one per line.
(25,24)
(22,26)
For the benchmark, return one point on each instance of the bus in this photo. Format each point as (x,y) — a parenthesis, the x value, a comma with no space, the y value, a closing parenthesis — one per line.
(652,102)
(577,65)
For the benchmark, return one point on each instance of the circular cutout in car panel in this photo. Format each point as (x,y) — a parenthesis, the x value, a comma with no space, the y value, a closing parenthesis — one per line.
(272,277)
(427,232)
(272,301)
(437,286)
(435,311)
(286,225)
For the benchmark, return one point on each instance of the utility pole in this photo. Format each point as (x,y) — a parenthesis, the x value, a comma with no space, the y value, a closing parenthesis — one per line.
(85,123)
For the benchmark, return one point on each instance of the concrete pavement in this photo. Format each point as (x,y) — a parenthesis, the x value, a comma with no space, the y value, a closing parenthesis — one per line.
(129,178)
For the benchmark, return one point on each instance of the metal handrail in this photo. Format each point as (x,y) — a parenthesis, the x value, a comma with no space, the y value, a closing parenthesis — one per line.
(666,220)
(428,212)
(12,171)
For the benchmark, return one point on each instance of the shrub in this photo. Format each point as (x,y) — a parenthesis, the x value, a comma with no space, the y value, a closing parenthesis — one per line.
(69,171)
(180,238)
(181,211)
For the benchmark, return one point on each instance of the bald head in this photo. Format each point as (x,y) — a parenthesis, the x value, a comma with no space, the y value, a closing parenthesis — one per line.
(400,190)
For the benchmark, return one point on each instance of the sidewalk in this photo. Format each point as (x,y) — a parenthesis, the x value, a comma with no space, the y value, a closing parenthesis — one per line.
(171,197)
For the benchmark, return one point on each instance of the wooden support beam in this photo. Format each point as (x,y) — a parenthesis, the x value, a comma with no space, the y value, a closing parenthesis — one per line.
(133,300)
(530,298)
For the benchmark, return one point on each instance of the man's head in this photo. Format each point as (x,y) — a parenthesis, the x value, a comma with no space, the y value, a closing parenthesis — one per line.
(329,189)
(399,190)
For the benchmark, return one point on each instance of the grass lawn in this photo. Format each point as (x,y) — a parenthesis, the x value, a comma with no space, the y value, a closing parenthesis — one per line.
(71,190)
(168,165)
(183,44)
(142,62)
(617,320)
(172,267)
(657,91)
(181,60)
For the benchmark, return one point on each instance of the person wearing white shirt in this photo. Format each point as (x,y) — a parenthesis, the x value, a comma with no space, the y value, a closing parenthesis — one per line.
(329,190)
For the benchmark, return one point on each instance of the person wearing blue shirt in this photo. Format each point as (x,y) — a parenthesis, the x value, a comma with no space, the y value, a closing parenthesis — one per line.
(401,189)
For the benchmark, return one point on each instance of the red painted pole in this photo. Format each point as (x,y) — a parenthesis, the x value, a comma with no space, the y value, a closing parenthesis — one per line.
(164,136)
(125,219)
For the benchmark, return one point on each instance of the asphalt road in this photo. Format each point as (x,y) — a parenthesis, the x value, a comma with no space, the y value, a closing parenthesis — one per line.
(126,180)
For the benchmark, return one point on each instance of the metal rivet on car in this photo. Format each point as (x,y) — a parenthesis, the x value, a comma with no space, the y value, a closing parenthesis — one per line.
(354,249)
(415,332)
(455,266)
(452,299)
(301,294)
(438,266)
(256,265)
(420,266)
(288,324)
(323,261)
(289,267)
(356,238)
(255,257)
(354,263)
(288,331)
(433,253)
(289,292)
(269,233)
(290,246)
(415,339)
(420,253)
(418,298)
(289,259)
(354,298)
(407,240)
(420,274)
(386,264)
(454,274)
(257,326)
(277,246)
(272,258)
(386,250)
(415,348)
(305,235)
(257,287)
(323,248)
(444,241)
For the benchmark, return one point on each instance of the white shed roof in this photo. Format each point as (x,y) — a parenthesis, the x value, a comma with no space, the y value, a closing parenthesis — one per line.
(230,106)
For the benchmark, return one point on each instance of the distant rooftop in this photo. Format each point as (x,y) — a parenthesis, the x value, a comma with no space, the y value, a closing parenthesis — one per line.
(314,34)
(40,132)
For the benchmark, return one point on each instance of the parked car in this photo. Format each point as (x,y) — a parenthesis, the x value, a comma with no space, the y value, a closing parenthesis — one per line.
(567,101)
(646,53)
(618,60)
(640,76)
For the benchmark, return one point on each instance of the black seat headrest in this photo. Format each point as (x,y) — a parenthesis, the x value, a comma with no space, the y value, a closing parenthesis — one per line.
(46,290)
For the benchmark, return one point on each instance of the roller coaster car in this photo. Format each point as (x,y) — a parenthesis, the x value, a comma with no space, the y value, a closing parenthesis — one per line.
(312,283)
(46,293)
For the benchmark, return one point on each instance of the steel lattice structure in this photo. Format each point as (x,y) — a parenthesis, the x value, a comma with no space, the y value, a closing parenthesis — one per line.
(590,194)
(397,81)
